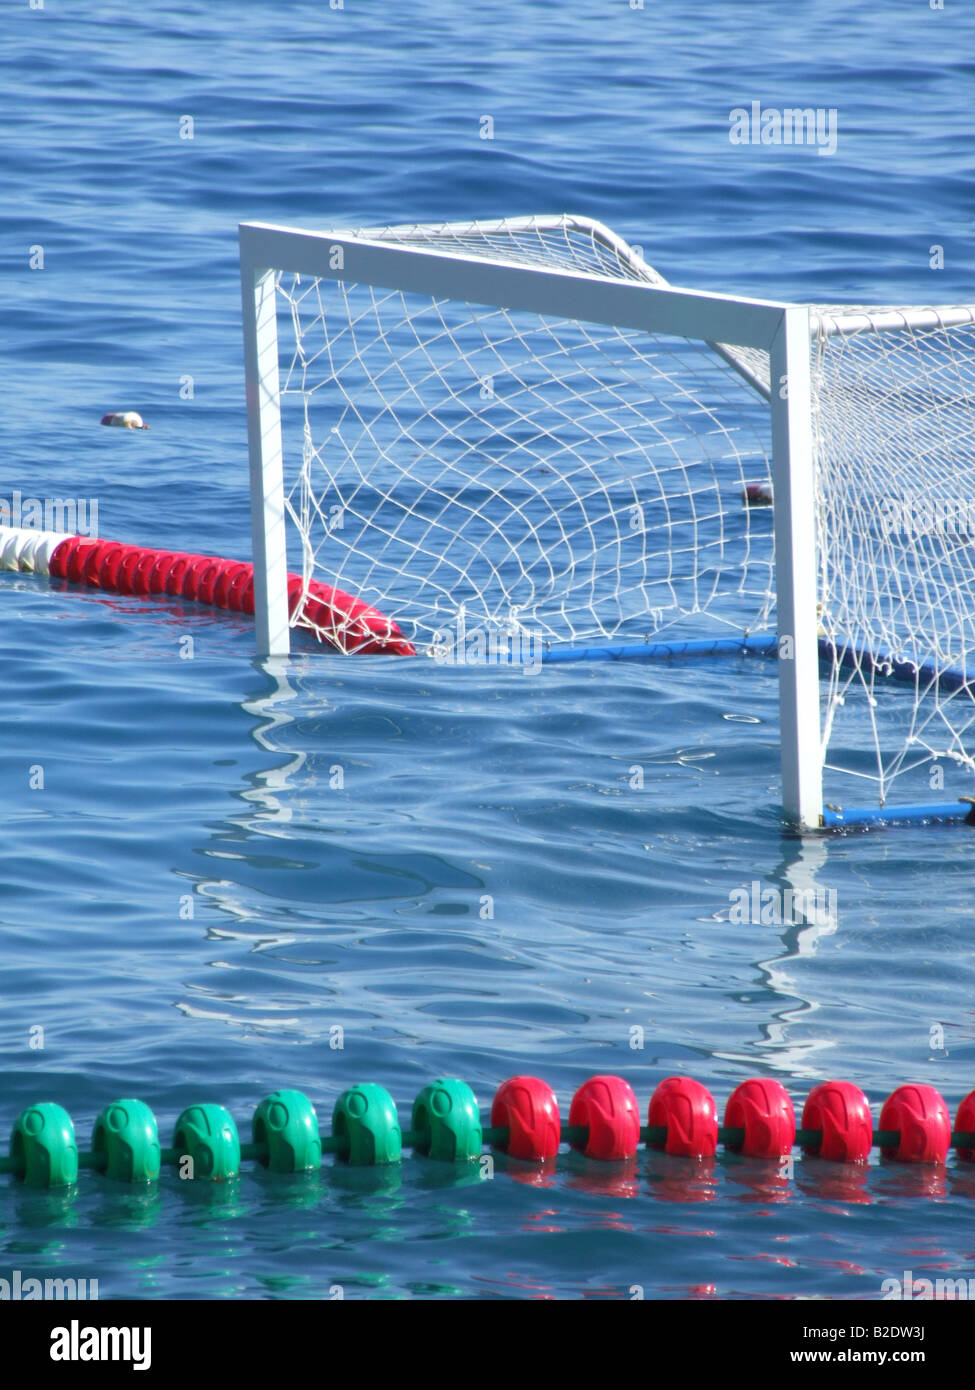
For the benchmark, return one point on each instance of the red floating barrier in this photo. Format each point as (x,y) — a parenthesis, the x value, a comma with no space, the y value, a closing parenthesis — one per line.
(315,614)
(296,587)
(689,1111)
(142,573)
(240,594)
(608,1106)
(842,1112)
(61,555)
(965,1124)
(208,581)
(529,1108)
(173,583)
(108,567)
(355,626)
(193,574)
(339,619)
(159,574)
(125,578)
(921,1115)
(77,557)
(762,1108)
(231,571)
(93,561)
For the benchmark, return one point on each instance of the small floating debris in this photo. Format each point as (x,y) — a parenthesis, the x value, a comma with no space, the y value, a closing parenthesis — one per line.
(127,419)
(757,495)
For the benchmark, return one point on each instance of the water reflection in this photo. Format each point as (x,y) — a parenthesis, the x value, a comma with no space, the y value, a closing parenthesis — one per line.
(796,899)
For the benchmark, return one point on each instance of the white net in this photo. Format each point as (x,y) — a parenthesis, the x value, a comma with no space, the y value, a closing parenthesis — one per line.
(578,482)
(461,465)
(894,421)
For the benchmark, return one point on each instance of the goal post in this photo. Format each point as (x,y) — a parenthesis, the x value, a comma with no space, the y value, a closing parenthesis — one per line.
(793,484)
(517,433)
(268,536)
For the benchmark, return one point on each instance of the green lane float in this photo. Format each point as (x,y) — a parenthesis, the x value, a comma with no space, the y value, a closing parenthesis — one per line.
(125,1142)
(207,1136)
(365,1126)
(43,1149)
(446,1122)
(286,1124)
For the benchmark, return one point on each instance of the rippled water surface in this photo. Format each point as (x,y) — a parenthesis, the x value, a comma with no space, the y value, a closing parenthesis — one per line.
(193,908)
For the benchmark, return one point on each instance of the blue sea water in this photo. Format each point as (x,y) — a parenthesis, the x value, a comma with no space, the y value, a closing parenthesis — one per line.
(191,909)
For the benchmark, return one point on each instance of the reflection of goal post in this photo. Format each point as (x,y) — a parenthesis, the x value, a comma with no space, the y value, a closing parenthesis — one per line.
(520,428)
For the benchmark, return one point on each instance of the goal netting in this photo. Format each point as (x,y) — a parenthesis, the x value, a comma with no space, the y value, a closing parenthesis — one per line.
(578,482)
(894,432)
(478,471)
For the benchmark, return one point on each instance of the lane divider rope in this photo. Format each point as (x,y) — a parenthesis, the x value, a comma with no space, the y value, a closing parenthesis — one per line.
(338,619)
(524,1122)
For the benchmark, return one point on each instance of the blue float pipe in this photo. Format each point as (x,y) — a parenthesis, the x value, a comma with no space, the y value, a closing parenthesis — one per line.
(757,644)
(886,664)
(920,814)
(763,644)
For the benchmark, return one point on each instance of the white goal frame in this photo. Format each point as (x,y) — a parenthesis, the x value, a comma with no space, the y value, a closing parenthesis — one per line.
(781,330)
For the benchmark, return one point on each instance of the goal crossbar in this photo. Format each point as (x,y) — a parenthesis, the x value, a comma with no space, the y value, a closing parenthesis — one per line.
(648,307)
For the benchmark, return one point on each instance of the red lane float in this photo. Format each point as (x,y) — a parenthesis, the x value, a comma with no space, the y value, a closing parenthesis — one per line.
(529,1108)
(921,1115)
(762,1108)
(607,1105)
(340,620)
(689,1112)
(842,1112)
